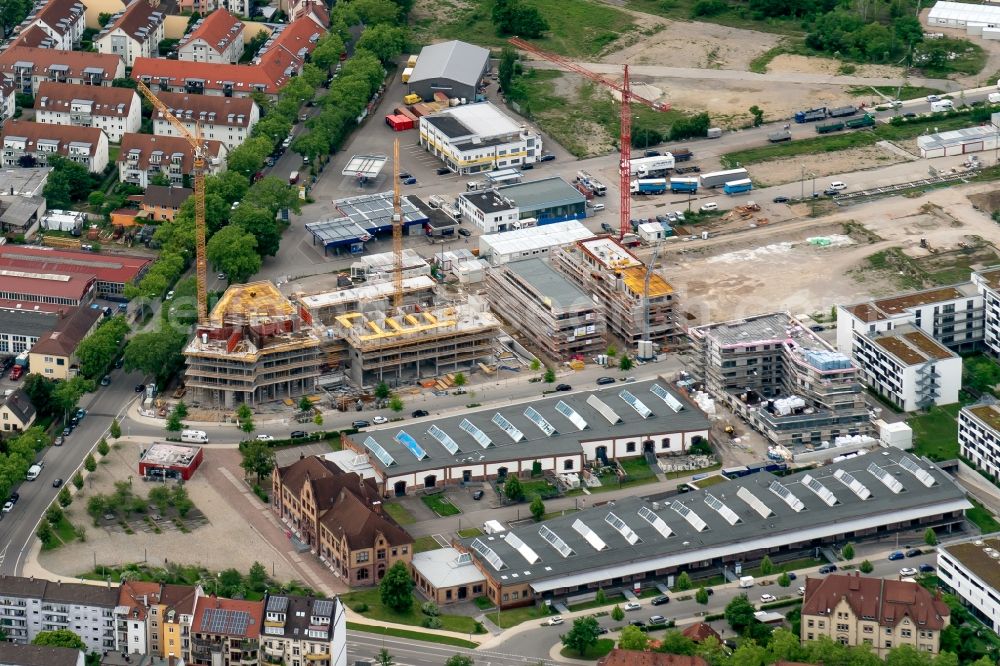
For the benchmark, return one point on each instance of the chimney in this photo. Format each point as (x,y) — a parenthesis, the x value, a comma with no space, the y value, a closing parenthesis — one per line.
(302,456)
(377,507)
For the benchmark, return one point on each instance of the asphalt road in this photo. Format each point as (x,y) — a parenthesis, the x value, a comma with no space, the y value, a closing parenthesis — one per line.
(18,527)
(364,646)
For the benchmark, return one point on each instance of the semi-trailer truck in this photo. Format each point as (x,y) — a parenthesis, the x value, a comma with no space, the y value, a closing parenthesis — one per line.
(649,186)
(738,186)
(684,185)
(720,178)
(681,154)
(651,166)
(843,111)
(826,128)
(811,115)
(864,121)
(591,183)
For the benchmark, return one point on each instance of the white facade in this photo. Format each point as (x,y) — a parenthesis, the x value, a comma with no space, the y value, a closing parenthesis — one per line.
(88,113)
(961,568)
(475,138)
(988,283)
(217,38)
(133,36)
(26,615)
(531,243)
(62,20)
(94,157)
(492,218)
(135,633)
(979,437)
(7,102)
(231,131)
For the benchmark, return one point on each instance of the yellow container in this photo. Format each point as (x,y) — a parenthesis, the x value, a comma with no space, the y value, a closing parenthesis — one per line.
(412,98)
(411,61)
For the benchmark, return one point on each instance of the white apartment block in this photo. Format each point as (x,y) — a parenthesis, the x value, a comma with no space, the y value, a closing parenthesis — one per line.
(489,211)
(133,33)
(225,119)
(972,569)
(8,100)
(144,156)
(62,20)
(979,436)
(478,137)
(29,606)
(300,630)
(217,38)
(114,110)
(27,141)
(988,283)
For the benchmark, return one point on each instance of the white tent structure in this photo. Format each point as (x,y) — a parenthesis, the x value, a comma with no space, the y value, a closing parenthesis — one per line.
(963,15)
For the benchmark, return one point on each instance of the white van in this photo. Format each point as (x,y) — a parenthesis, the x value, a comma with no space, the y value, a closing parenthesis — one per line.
(598,207)
(838,185)
(194,436)
(33,472)
(993,98)
(746,581)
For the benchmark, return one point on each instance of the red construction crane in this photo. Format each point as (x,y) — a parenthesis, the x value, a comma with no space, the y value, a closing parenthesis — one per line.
(625,137)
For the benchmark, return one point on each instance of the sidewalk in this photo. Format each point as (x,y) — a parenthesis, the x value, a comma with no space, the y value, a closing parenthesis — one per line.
(980,488)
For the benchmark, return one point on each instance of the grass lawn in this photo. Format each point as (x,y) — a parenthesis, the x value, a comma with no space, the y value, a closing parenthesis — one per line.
(376,611)
(793,565)
(469,533)
(596,651)
(710,481)
(735,16)
(412,635)
(980,373)
(539,487)
(935,434)
(982,517)
(64,534)
(515,616)
(578,28)
(440,505)
(425,543)
(399,513)
(611,598)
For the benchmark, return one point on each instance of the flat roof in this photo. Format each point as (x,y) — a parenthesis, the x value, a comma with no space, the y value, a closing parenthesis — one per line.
(361,218)
(508,433)
(911,346)
(454,60)
(26,182)
(533,238)
(991,276)
(446,567)
(955,137)
(170,454)
(974,557)
(488,201)
(884,308)
(481,119)
(609,253)
(634,535)
(544,193)
(27,322)
(368,166)
(988,414)
(371,291)
(770,327)
(549,283)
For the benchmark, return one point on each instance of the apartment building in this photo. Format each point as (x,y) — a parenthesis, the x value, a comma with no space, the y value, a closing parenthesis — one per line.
(555,315)
(28,67)
(478,137)
(203,7)
(987,283)
(114,110)
(979,435)
(217,38)
(54,355)
(160,203)
(304,630)
(225,119)
(133,33)
(970,569)
(62,20)
(780,377)
(155,619)
(338,515)
(34,37)
(29,144)
(39,655)
(144,156)
(880,613)
(267,76)
(29,606)
(298,37)
(8,100)
(908,368)
(226,631)
(638,304)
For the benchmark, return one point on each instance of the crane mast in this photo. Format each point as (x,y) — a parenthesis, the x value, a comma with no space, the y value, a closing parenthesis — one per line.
(397,230)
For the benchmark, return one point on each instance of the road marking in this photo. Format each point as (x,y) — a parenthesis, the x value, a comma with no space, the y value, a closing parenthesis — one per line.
(3,553)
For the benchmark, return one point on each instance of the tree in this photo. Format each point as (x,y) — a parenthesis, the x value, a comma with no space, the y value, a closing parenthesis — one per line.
(625,364)
(181,501)
(59,638)
(930,537)
(701,596)
(784,580)
(739,613)
(537,508)
(67,394)
(906,655)
(460,379)
(866,567)
(384,40)
(262,225)
(683,581)
(535,365)
(382,391)
(396,404)
(371,12)
(318,419)
(39,390)
(233,250)
(68,182)
(327,51)
(632,638)
(513,490)
(247,426)
(54,514)
(674,642)
(847,552)
(582,635)
(758,115)
(89,463)
(617,614)
(115,430)
(174,423)
(599,596)
(513,17)
(305,404)
(248,157)
(383,658)
(45,534)
(156,352)
(78,481)
(258,460)
(507,67)
(766,566)
(243,412)
(257,578)
(459,660)
(65,499)
(103,448)
(550,376)
(396,588)
(272,194)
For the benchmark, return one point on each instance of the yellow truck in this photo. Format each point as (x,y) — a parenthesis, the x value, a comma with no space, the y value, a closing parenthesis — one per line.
(411,61)
(412,98)
(406,74)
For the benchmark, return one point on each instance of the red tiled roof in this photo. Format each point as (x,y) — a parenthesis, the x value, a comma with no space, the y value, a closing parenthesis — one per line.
(59,97)
(886,601)
(48,283)
(137,15)
(218,30)
(34,37)
(298,37)
(700,631)
(147,144)
(68,333)
(137,596)
(314,9)
(116,268)
(75,61)
(221,106)
(619,657)
(254,608)
(54,11)
(64,134)
(269,75)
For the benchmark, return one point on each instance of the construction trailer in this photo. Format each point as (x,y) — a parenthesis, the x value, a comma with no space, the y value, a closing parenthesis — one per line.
(256,347)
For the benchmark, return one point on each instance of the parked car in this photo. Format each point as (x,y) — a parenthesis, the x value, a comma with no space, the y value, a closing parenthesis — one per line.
(780,199)
(464,232)
(59,441)
(265,438)
(828,568)
(80,413)
(120,362)
(660,600)
(802,591)
(909,114)
(221,276)
(547,157)
(639,624)
(419,413)
(601,381)
(564,387)
(8,506)
(671,218)
(632,605)
(838,185)
(926,568)
(553,621)
(379,420)
(443,171)
(933,98)
(711,205)
(298,434)
(139,388)
(527,167)
(767,598)
(169,296)
(914,552)
(655,620)
(896,555)
(403,175)
(791,575)
(360,423)
(478,495)
(829,191)
(679,215)
(57,483)
(67,431)
(410,181)
(908,571)
(105,380)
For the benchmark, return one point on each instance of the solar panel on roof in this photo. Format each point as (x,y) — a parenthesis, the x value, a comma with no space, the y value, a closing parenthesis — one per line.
(856,486)
(685,512)
(488,554)
(540,421)
(323,608)
(636,404)
(508,427)
(888,480)
(571,414)
(477,434)
(727,514)
(555,541)
(661,393)
(581,528)
(755,503)
(443,438)
(225,621)
(411,444)
(622,528)
(277,604)
(923,476)
(603,409)
(785,494)
(658,523)
(524,549)
(821,491)
(380,453)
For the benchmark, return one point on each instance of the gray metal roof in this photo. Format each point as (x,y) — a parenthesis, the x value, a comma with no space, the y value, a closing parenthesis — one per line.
(565,440)
(455,60)
(449,125)
(544,193)
(686,545)
(27,322)
(549,282)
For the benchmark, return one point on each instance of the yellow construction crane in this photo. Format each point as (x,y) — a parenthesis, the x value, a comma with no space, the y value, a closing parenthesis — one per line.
(397,230)
(200,151)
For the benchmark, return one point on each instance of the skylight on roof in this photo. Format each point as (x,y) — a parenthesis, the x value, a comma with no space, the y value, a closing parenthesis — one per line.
(755,502)
(636,404)
(888,480)
(524,549)
(923,476)
(571,414)
(662,393)
(581,528)
(488,554)
(727,514)
(555,541)
(508,427)
(379,452)
(603,409)
(856,486)
(411,444)
(622,527)
(685,512)
(443,438)
(785,494)
(653,519)
(535,416)
(824,493)
(477,434)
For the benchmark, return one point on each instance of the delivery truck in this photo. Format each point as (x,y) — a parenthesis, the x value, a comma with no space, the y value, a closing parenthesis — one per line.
(827,128)
(649,186)
(746,581)
(651,166)
(738,186)
(864,121)
(942,105)
(684,185)
(810,115)
(843,111)
(720,178)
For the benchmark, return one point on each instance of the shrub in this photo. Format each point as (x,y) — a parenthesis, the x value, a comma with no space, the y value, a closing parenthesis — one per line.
(430,608)
(361,608)
(431,623)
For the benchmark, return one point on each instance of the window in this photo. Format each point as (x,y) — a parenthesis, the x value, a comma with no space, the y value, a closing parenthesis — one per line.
(811,624)
(665,443)
(362,556)
(842,627)
(810,636)
(888,644)
(568,464)
(630,447)
(906,633)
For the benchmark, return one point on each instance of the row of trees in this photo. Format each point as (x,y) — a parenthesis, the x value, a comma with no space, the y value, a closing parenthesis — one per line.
(516,17)
(97,351)
(849,33)
(52,398)
(17,456)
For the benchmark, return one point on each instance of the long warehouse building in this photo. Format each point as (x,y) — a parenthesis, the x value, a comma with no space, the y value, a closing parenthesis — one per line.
(637,541)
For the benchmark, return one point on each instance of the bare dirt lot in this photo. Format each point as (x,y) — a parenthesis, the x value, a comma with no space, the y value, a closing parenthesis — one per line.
(695,44)
(777,172)
(778,268)
(788,62)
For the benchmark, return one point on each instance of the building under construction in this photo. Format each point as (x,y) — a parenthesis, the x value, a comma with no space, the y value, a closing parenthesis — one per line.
(256,347)
(618,280)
